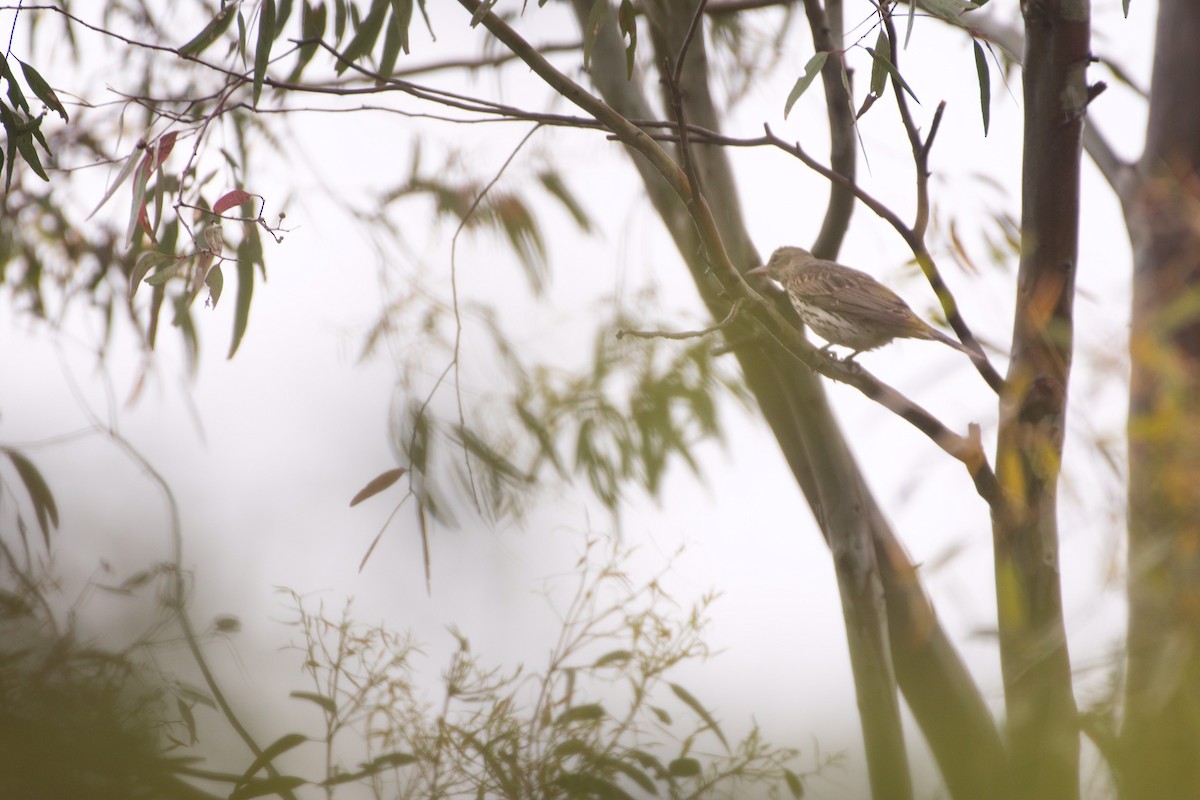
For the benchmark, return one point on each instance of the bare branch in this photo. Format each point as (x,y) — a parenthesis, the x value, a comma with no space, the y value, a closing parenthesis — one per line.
(729,318)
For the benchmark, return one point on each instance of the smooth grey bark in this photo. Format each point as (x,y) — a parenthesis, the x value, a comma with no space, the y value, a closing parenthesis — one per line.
(939,689)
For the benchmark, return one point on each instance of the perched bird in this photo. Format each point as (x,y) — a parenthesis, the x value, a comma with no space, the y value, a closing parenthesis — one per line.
(844,306)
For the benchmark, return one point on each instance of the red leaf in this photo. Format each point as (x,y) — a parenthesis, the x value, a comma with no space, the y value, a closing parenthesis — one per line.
(231,200)
(165,144)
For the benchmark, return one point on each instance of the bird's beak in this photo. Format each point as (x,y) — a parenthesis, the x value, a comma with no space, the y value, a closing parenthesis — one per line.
(758,270)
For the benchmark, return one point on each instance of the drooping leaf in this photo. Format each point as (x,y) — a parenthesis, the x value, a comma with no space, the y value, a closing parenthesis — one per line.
(281,745)
(365,36)
(553,183)
(811,70)
(146,262)
(591,30)
(378,484)
(127,169)
(43,91)
(261,788)
(879,73)
(627,22)
(590,712)
(312,27)
(985,85)
(613,657)
(396,759)
(38,490)
(582,784)
(402,11)
(324,702)
(241,312)
(215,282)
(393,40)
(683,768)
(795,786)
(212,31)
(949,10)
(164,275)
(262,50)
(694,704)
(891,70)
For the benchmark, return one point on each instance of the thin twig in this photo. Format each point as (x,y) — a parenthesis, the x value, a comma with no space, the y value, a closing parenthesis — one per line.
(680,335)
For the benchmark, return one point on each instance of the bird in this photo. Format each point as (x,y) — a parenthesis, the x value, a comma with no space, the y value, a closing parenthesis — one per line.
(845,306)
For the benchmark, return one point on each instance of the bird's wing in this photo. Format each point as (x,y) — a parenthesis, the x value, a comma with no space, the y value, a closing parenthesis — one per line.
(849,291)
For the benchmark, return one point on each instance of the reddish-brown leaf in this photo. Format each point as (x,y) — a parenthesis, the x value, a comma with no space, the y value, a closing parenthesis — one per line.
(232,200)
(378,484)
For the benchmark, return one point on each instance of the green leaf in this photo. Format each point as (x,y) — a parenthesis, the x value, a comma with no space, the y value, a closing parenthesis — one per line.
(212,31)
(127,168)
(585,713)
(402,11)
(262,50)
(339,20)
(591,30)
(683,768)
(29,152)
(392,41)
(312,26)
(686,696)
(1125,8)
(985,85)
(15,95)
(164,275)
(272,751)
(613,657)
(365,36)
(883,46)
(146,262)
(282,13)
(215,282)
(912,16)
(553,183)
(581,784)
(39,492)
(241,313)
(284,783)
(811,70)
(139,199)
(386,760)
(895,73)
(949,10)
(627,22)
(324,702)
(794,784)
(43,90)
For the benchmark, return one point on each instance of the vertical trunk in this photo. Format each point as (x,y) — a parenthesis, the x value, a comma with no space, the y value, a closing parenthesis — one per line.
(947,704)
(1161,734)
(1042,726)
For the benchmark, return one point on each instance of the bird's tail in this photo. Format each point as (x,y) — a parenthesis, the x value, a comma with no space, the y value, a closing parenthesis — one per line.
(937,335)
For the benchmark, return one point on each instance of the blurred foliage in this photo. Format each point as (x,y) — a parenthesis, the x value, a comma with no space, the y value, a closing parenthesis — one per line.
(600,719)
(603,717)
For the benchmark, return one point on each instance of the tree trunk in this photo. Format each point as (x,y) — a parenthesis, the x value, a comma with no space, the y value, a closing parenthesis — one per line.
(937,685)
(1161,733)
(1042,726)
